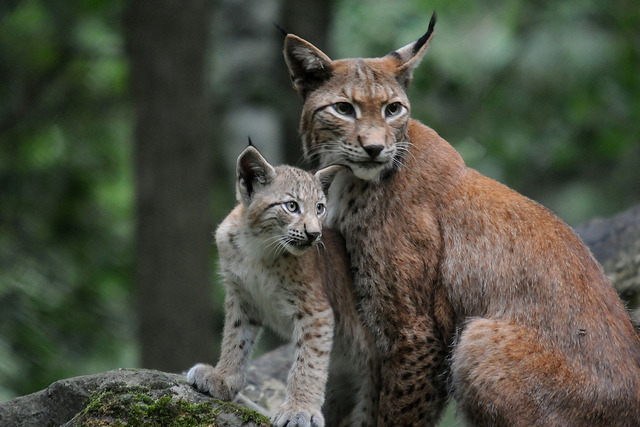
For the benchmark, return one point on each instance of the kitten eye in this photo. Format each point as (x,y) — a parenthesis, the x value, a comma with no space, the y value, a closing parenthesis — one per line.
(393,109)
(345,109)
(292,207)
(320,209)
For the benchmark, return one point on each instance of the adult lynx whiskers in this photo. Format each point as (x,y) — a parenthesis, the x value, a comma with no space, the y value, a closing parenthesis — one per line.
(469,288)
(281,269)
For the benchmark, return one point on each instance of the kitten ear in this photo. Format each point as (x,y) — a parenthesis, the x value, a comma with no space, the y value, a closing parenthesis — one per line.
(252,171)
(326,175)
(409,56)
(308,66)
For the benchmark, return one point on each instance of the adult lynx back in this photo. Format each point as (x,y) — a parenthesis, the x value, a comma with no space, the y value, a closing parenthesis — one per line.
(469,287)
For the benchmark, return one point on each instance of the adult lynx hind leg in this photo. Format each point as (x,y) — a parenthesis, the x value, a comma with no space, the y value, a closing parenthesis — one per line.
(504,374)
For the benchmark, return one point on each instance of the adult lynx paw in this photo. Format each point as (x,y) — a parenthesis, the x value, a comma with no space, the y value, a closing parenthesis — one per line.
(295,416)
(207,380)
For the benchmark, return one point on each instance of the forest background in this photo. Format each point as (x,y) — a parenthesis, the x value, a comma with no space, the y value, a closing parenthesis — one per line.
(120,123)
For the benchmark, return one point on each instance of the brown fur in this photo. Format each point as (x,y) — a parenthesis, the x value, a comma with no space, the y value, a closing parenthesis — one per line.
(469,287)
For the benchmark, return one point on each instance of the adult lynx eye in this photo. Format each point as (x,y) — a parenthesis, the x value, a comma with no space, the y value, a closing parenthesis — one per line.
(345,109)
(292,207)
(393,109)
(320,209)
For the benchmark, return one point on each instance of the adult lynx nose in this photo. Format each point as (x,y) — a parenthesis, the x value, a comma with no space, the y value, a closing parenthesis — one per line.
(373,150)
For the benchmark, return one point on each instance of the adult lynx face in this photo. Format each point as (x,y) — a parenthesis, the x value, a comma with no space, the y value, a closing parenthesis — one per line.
(356,112)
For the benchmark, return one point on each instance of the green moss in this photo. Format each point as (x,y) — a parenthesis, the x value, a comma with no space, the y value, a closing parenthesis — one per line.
(122,405)
(247,415)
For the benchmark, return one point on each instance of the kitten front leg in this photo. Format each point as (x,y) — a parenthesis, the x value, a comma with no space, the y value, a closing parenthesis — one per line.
(239,334)
(313,335)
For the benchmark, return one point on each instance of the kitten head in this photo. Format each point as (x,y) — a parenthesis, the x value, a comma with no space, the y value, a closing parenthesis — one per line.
(356,111)
(284,206)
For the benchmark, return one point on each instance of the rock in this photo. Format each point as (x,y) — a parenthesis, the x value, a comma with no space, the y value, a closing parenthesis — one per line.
(139,396)
(615,242)
(267,378)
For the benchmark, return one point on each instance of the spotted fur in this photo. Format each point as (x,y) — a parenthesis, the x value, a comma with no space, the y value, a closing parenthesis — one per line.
(281,269)
(469,288)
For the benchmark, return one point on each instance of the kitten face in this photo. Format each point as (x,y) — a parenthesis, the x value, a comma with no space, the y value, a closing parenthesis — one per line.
(283,207)
(287,214)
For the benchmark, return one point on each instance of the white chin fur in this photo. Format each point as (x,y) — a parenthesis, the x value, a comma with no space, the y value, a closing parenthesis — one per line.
(368,174)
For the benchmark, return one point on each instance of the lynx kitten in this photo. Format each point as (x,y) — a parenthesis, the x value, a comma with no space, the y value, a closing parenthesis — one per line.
(281,269)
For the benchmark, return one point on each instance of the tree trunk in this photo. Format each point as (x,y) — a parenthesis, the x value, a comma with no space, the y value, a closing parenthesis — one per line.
(310,22)
(167,42)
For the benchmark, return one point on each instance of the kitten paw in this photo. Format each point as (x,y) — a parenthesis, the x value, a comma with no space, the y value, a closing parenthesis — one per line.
(207,380)
(294,416)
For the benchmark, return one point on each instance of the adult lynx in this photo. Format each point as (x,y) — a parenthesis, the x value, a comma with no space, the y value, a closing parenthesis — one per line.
(469,287)
(272,277)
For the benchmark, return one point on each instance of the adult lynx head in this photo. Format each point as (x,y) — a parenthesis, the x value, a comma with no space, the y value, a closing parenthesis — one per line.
(355,111)
(283,206)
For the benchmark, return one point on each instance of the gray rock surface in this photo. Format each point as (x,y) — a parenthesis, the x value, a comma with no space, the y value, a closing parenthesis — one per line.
(615,242)
(142,396)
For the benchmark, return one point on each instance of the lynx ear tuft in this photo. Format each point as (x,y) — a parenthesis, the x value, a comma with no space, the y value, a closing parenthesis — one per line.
(409,56)
(282,30)
(309,66)
(252,171)
(326,175)
(427,36)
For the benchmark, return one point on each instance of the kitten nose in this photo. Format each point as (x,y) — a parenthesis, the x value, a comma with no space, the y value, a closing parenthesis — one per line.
(312,235)
(373,150)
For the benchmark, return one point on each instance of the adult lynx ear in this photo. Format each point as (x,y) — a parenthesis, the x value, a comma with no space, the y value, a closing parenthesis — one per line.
(326,175)
(308,66)
(409,56)
(252,171)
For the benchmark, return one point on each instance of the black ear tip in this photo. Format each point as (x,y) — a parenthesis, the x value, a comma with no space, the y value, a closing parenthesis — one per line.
(432,21)
(282,30)
(250,142)
(422,40)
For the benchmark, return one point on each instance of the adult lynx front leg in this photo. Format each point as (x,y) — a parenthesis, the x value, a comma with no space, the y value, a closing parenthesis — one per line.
(239,334)
(366,409)
(413,387)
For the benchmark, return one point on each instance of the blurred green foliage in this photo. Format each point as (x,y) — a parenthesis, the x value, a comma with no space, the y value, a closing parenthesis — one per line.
(66,190)
(543,96)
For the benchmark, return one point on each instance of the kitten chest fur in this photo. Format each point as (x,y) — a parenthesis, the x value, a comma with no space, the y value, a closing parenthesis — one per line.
(270,286)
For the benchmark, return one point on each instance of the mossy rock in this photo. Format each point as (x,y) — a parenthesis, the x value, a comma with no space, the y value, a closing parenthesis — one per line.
(136,397)
(120,404)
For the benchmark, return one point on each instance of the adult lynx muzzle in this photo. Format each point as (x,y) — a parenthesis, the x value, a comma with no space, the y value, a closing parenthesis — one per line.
(469,288)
